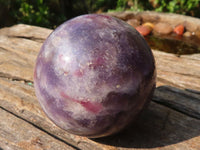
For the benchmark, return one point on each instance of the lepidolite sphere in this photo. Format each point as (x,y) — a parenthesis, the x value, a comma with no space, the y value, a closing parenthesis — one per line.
(93,75)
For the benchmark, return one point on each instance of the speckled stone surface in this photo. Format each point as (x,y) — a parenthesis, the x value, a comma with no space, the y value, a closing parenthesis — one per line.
(93,75)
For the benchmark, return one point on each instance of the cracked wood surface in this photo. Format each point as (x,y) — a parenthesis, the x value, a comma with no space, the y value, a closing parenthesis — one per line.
(22,135)
(172,121)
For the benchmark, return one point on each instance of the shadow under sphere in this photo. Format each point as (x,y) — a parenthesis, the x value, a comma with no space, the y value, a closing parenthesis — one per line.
(156,126)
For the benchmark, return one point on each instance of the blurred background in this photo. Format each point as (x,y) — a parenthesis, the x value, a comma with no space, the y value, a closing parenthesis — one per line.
(51,13)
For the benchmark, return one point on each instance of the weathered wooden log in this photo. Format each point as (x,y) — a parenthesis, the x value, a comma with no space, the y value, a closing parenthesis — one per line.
(20,134)
(191,24)
(187,102)
(172,121)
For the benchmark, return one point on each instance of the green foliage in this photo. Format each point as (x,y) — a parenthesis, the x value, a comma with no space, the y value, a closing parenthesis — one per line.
(50,13)
(186,7)
(122,3)
(104,5)
(134,5)
(91,6)
(36,13)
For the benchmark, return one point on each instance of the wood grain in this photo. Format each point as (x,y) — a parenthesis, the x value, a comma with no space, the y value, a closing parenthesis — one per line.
(185,101)
(22,135)
(158,126)
(170,122)
(182,72)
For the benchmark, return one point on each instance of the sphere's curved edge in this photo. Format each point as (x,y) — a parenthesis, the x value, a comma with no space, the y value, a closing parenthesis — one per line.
(94,74)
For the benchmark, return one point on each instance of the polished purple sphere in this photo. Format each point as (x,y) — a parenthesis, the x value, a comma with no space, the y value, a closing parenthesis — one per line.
(93,75)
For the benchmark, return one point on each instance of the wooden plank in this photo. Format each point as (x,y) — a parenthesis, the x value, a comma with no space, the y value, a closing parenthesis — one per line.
(27,32)
(5,145)
(182,72)
(19,98)
(17,57)
(159,127)
(185,101)
(18,134)
(19,53)
(191,23)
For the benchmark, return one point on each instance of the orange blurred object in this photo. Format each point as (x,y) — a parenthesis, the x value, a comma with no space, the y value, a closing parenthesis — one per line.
(149,24)
(144,30)
(179,30)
